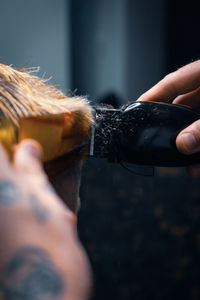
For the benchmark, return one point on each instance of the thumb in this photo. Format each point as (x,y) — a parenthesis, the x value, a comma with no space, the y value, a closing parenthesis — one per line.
(27,157)
(188,140)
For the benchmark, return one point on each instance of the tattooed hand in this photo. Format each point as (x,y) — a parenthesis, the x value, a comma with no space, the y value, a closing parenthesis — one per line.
(41,257)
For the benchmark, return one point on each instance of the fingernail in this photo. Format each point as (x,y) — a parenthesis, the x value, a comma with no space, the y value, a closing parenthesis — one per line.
(32,149)
(188,143)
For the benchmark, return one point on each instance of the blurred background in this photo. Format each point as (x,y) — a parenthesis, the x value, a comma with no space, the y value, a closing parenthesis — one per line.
(142,234)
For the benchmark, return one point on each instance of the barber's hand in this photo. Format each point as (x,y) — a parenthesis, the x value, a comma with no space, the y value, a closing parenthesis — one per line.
(41,256)
(184,86)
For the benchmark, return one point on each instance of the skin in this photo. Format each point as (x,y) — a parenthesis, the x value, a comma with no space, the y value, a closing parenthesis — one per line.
(41,256)
(183,86)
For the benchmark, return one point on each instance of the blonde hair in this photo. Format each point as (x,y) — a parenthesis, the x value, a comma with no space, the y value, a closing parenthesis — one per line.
(23,94)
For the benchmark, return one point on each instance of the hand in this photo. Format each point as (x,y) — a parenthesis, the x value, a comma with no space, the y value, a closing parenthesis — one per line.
(41,256)
(184,86)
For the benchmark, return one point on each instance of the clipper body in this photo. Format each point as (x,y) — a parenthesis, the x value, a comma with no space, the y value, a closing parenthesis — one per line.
(142,133)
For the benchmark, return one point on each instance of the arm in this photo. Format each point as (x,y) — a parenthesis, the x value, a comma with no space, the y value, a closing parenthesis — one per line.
(184,86)
(41,257)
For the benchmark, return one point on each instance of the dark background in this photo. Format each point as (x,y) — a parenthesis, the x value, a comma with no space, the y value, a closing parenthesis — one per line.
(142,234)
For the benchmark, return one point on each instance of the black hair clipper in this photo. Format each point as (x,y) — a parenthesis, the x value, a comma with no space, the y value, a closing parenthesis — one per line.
(142,133)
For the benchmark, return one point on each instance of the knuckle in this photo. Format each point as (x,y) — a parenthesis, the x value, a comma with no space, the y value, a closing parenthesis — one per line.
(170,83)
(170,77)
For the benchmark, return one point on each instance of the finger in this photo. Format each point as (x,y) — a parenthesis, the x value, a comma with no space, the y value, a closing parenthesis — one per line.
(4,162)
(191,99)
(182,81)
(188,140)
(28,158)
(193,171)
(28,163)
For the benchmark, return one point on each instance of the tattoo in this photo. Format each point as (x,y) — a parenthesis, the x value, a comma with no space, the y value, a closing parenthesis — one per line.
(31,275)
(9,192)
(40,211)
